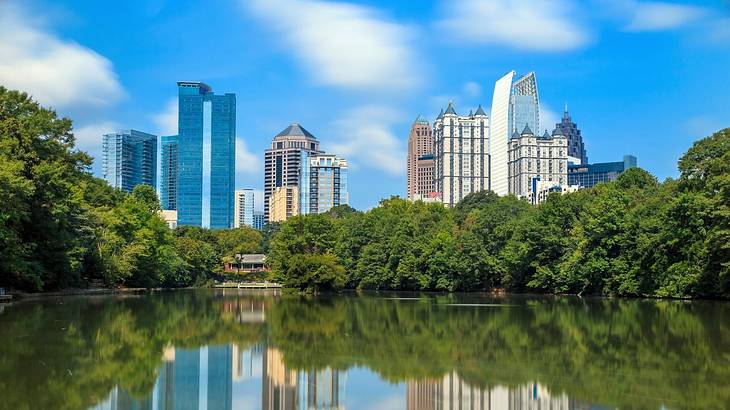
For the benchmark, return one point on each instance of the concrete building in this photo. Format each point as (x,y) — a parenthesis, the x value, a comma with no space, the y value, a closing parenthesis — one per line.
(283,203)
(576,147)
(258,220)
(168,174)
(206,156)
(420,144)
(322,183)
(169,216)
(129,159)
(542,189)
(282,162)
(243,208)
(461,154)
(514,104)
(588,175)
(536,157)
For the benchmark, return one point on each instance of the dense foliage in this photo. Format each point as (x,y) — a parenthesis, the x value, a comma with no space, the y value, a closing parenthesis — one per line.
(631,237)
(61,227)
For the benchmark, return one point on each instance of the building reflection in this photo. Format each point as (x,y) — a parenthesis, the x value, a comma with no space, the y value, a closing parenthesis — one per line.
(453,393)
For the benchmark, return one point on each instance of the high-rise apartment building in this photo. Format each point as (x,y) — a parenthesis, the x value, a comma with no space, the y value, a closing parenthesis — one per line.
(283,203)
(534,158)
(206,156)
(567,127)
(168,174)
(322,183)
(588,175)
(243,208)
(420,143)
(282,162)
(461,154)
(129,159)
(515,103)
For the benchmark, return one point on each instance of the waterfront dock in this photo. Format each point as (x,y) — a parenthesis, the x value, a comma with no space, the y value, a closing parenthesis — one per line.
(248,285)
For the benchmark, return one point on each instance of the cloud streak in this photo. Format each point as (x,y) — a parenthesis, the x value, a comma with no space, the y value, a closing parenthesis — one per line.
(55,72)
(537,25)
(660,16)
(342,45)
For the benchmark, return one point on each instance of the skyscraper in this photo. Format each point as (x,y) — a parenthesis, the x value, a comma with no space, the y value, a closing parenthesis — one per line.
(567,127)
(206,156)
(129,159)
(461,156)
(169,170)
(514,105)
(535,158)
(282,161)
(322,183)
(258,220)
(420,143)
(243,208)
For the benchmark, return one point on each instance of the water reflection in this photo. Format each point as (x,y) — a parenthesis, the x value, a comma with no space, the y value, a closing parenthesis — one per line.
(231,350)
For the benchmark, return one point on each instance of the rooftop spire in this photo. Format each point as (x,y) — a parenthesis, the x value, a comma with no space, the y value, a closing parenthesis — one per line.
(480,111)
(450,109)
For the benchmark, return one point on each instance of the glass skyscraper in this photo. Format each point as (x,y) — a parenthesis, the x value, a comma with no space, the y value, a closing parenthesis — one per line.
(322,183)
(515,104)
(206,156)
(168,174)
(130,159)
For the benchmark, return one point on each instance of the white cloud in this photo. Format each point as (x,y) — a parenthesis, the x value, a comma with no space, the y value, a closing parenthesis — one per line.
(89,138)
(341,44)
(55,72)
(659,16)
(540,25)
(166,120)
(548,119)
(246,161)
(473,89)
(365,139)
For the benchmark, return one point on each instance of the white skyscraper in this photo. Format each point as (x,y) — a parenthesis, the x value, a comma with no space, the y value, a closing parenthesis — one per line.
(515,104)
(461,154)
(243,208)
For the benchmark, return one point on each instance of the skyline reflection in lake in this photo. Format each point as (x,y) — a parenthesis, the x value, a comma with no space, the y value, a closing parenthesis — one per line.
(239,349)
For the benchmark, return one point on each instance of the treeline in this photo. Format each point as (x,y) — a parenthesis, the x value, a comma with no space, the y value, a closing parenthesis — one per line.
(631,237)
(61,227)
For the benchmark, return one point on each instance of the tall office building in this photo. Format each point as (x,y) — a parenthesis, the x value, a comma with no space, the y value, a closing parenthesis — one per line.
(206,156)
(588,175)
(258,220)
(168,174)
(515,103)
(129,159)
(567,127)
(243,208)
(425,183)
(461,156)
(535,158)
(322,183)
(282,161)
(420,143)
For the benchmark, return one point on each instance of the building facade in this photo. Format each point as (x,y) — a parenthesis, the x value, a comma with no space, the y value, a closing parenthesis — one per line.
(425,181)
(420,143)
(168,172)
(282,162)
(243,208)
(129,159)
(461,154)
(206,156)
(258,220)
(515,103)
(532,157)
(542,189)
(588,175)
(283,203)
(576,147)
(322,183)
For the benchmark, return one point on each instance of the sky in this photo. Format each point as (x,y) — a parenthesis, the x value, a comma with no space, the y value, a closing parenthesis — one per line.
(646,78)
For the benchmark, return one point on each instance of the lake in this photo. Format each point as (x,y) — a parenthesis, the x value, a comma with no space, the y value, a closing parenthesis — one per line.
(236,349)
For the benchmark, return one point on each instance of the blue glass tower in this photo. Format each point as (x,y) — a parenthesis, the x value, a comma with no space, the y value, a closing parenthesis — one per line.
(130,159)
(206,156)
(168,174)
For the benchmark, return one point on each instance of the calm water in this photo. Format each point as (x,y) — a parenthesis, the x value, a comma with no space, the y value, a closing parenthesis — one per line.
(249,350)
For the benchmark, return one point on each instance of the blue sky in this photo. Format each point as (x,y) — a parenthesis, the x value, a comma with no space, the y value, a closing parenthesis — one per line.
(640,77)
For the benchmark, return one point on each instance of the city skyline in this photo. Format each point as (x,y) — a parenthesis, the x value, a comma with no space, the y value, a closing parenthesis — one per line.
(128,78)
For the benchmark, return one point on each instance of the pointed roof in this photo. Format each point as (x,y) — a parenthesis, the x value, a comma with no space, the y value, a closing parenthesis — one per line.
(527,130)
(295,130)
(480,111)
(420,120)
(441,114)
(515,135)
(471,113)
(558,131)
(546,135)
(450,108)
